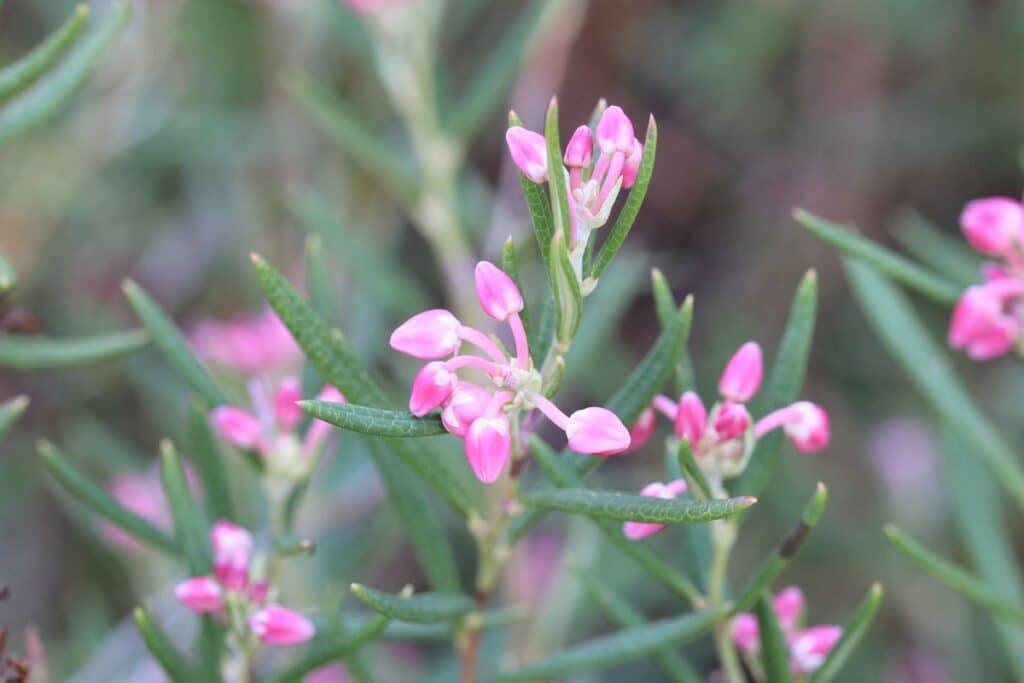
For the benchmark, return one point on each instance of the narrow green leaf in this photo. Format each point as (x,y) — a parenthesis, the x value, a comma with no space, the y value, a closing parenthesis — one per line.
(853,632)
(956,578)
(162,649)
(189,527)
(784,382)
(692,471)
(10,411)
(901,332)
(888,262)
(99,501)
(327,649)
(374,421)
(618,648)
(950,258)
(8,276)
(209,463)
(634,508)
(172,344)
(510,264)
(52,91)
(19,75)
(318,279)
(565,288)
(423,608)
(38,352)
(209,643)
(558,181)
(630,210)
(774,651)
(446,631)
(664,301)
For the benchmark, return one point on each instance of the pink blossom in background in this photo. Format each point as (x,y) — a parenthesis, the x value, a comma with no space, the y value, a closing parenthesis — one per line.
(533,566)
(143,494)
(332,673)
(368,6)
(918,666)
(249,344)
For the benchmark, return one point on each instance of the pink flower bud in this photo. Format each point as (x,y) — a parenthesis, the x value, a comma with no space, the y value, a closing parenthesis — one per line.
(286,409)
(691,419)
(498,294)
(635,531)
(597,431)
(632,165)
(200,594)
(614,131)
(431,387)
(529,152)
(429,335)
(238,427)
(580,150)
(642,430)
(746,632)
(232,550)
(467,403)
(742,375)
(488,443)
(810,648)
(994,225)
(279,626)
(979,325)
(732,421)
(808,429)
(789,608)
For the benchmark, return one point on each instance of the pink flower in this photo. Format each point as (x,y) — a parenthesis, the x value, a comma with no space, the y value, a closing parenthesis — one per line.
(432,386)
(632,165)
(498,294)
(332,673)
(789,608)
(810,648)
(742,375)
(981,324)
(248,344)
(635,531)
(488,444)
(466,403)
(430,335)
(286,408)
(732,421)
(143,494)
(200,594)
(692,418)
(580,150)
(642,430)
(805,423)
(597,431)
(232,551)
(614,131)
(746,633)
(370,6)
(279,626)
(529,152)
(994,225)
(239,427)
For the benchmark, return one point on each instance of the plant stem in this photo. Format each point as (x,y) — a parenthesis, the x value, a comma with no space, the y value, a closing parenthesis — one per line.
(723,537)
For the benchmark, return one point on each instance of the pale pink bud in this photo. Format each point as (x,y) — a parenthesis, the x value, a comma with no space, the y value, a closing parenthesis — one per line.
(237,426)
(529,152)
(789,608)
(732,421)
(808,429)
(498,294)
(635,531)
(279,626)
(431,387)
(286,408)
(488,443)
(580,150)
(810,648)
(746,632)
(259,591)
(994,225)
(232,550)
(597,431)
(614,131)
(467,403)
(200,594)
(632,166)
(742,375)
(429,335)
(642,430)
(979,326)
(692,418)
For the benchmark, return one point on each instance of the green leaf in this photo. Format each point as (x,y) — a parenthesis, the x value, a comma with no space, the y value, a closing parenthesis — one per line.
(853,632)
(692,471)
(956,578)
(329,648)
(664,301)
(446,631)
(19,75)
(774,651)
(630,210)
(172,344)
(374,421)
(52,91)
(539,205)
(634,508)
(209,463)
(10,411)
(786,550)
(784,382)
(618,648)
(901,332)
(162,649)
(102,503)
(565,288)
(8,276)
(190,529)
(558,185)
(38,352)
(888,262)
(950,258)
(423,608)
(318,280)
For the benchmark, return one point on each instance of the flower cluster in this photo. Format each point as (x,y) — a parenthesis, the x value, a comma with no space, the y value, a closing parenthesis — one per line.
(987,321)
(249,344)
(808,647)
(232,594)
(481,415)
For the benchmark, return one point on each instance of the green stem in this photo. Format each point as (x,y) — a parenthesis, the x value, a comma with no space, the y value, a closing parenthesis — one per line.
(723,538)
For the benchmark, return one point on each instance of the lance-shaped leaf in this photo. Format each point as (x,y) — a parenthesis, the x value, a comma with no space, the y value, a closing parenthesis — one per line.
(19,75)
(888,262)
(163,650)
(38,352)
(626,507)
(786,550)
(950,258)
(619,648)
(956,578)
(331,647)
(8,276)
(902,333)
(10,411)
(853,632)
(774,650)
(446,631)
(422,608)
(634,201)
(374,421)
(665,306)
(50,92)
(539,205)
(558,186)
(784,382)
(190,529)
(102,503)
(691,471)
(565,288)
(209,463)
(169,339)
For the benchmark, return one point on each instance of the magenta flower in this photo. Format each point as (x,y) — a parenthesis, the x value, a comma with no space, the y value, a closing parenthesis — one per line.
(529,152)
(994,226)
(638,530)
(741,378)
(251,344)
(277,625)
(142,493)
(232,552)
(643,429)
(986,321)
(201,594)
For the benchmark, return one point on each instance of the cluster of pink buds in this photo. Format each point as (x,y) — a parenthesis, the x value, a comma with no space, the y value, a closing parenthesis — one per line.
(480,415)
(635,531)
(271,428)
(808,647)
(232,594)
(249,344)
(987,321)
(722,439)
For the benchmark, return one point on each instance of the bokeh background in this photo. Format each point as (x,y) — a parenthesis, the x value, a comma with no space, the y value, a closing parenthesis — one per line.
(184,153)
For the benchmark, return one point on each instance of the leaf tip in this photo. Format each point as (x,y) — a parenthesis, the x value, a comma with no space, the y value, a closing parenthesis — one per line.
(255,258)
(82,10)
(19,403)
(747,501)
